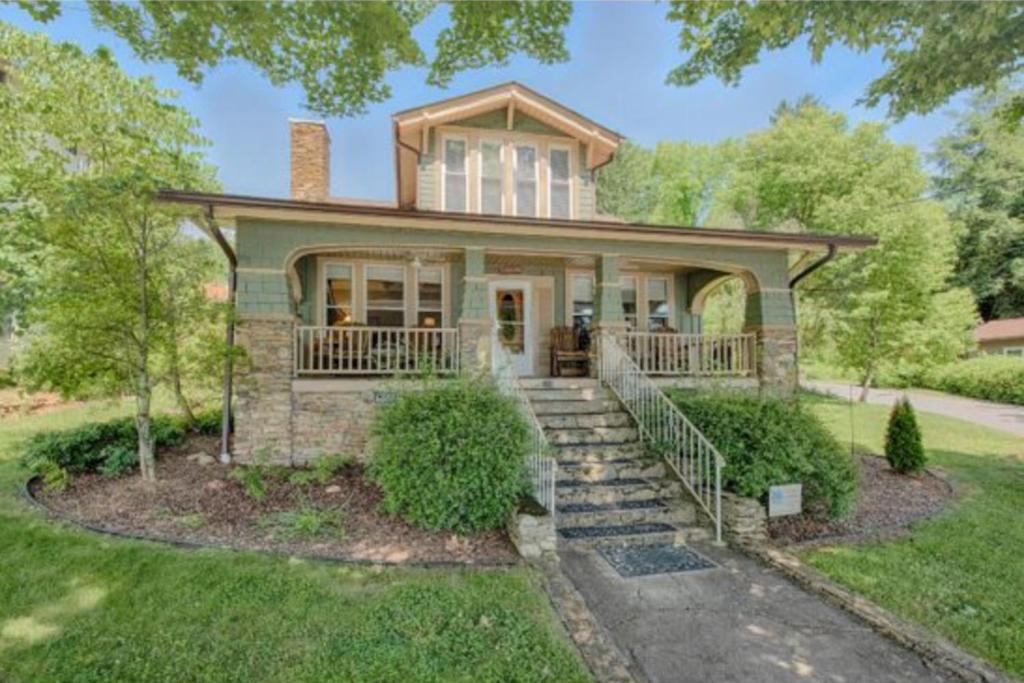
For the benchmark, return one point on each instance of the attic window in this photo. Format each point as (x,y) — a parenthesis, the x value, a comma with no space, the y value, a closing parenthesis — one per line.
(559,183)
(526,180)
(455,175)
(492,177)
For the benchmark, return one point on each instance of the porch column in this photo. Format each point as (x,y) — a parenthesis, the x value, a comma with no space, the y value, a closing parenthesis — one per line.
(609,319)
(771,315)
(475,322)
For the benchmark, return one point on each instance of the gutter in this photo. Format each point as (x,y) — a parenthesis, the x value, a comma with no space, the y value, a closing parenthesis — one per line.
(829,255)
(225,421)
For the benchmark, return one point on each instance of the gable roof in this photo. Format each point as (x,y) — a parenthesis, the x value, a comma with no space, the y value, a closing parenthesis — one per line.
(994,330)
(412,126)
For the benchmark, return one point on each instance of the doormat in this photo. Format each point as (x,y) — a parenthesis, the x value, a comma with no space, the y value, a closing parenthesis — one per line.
(643,560)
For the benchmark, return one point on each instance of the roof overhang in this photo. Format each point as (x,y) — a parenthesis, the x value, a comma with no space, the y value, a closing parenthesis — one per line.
(223,207)
(412,126)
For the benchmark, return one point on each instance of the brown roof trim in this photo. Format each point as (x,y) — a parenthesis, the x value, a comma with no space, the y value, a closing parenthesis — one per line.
(505,86)
(775,238)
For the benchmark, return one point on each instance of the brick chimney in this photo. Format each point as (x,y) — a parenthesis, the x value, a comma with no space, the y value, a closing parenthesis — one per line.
(311,160)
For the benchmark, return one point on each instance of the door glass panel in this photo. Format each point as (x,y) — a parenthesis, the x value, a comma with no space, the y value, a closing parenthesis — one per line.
(511,320)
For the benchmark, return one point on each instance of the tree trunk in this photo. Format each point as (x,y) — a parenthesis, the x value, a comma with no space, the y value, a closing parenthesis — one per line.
(865,385)
(143,423)
(179,395)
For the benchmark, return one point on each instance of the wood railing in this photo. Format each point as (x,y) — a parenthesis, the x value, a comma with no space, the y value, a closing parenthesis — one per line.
(542,468)
(664,429)
(375,350)
(691,355)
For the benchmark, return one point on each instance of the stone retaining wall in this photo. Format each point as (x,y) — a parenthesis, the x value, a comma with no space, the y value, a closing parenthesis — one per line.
(533,535)
(745,519)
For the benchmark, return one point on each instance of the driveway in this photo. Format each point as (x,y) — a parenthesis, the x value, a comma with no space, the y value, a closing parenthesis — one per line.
(739,621)
(1009,418)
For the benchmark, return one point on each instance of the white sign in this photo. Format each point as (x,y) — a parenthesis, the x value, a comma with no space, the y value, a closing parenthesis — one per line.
(785,500)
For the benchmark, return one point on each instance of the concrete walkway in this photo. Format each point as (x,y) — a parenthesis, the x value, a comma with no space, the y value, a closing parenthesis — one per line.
(1008,418)
(739,622)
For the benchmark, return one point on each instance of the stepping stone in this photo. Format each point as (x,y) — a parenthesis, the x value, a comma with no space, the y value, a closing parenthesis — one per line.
(644,560)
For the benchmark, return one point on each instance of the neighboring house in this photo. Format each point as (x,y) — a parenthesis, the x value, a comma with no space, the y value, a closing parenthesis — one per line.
(494,221)
(1001,336)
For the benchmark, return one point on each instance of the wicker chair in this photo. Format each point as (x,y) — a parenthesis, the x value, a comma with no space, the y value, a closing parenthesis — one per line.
(569,349)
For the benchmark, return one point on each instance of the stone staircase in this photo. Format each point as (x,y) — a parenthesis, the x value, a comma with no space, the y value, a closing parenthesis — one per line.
(608,491)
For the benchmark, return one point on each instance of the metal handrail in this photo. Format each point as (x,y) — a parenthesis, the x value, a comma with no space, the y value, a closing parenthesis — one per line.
(542,467)
(687,451)
(691,355)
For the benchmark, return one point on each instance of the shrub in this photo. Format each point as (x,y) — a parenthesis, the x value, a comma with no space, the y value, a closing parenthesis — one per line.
(81,449)
(451,455)
(118,460)
(208,422)
(903,447)
(991,378)
(308,521)
(55,477)
(769,441)
(252,479)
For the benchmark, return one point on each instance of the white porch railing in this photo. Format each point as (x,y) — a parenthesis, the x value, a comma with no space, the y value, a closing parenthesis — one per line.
(694,459)
(692,355)
(543,469)
(375,350)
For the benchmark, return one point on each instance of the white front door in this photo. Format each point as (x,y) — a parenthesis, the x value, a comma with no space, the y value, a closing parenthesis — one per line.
(512,308)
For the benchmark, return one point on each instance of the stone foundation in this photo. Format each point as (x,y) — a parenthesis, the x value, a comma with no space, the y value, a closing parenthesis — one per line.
(745,519)
(533,535)
(263,391)
(331,417)
(777,359)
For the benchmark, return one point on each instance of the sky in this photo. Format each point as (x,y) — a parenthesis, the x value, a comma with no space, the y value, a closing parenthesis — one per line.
(621,53)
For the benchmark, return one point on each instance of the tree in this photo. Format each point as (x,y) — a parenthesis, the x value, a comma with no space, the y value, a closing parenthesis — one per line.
(933,49)
(888,308)
(982,180)
(903,446)
(340,52)
(85,149)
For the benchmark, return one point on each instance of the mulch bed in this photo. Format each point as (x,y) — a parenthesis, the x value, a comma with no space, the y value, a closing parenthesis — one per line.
(888,503)
(202,504)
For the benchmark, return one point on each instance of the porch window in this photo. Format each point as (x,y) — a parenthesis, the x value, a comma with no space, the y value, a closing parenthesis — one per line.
(429,302)
(657,303)
(629,300)
(559,184)
(526,180)
(385,296)
(582,301)
(338,294)
(455,175)
(492,177)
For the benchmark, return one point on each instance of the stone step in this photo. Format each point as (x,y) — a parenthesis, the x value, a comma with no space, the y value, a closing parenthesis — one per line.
(592,435)
(595,393)
(618,468)
(606,491)
(678,513)
(619,534)
(608,419)
(558,382)
(592,407)
(578,453)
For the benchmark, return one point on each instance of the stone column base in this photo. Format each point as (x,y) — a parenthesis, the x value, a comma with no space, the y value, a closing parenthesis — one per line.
(475,339)
(263,392)
(777,359)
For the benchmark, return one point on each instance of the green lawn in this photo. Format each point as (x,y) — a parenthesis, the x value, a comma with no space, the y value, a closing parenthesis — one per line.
(76,606)
(962,573)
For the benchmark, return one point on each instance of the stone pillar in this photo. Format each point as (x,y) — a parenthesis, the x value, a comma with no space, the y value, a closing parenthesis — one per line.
(475,333)
(771,315)
(263,390)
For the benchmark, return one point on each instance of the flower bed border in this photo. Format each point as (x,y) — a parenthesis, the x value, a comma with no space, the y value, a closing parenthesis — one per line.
(26,492)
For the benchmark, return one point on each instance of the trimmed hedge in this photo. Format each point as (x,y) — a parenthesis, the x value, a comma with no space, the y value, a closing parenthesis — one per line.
(991,378)
(105,446)
(451,455)
(769,441)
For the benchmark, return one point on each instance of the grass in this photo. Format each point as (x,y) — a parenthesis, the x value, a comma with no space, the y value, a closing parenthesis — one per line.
(961,573)
(79,607)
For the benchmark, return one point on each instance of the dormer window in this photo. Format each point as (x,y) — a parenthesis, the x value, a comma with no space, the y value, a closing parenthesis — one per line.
(559,183)
(456,175)
(526,180)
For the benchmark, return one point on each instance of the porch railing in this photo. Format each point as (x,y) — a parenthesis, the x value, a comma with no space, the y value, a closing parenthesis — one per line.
(543,468)
(687,451)
(375,350)
(693,355)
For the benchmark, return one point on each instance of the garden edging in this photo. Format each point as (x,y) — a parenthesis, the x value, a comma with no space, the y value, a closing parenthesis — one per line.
(26,492)
(933,648)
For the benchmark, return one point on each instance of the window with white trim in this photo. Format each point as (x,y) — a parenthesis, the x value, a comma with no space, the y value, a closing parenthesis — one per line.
(456,176)
(657,303)
(1017,351)
(525,180)
(582,301)
(385,296)
(492,177)
(337,294)
(429,297)
(559,183)
(628,288)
